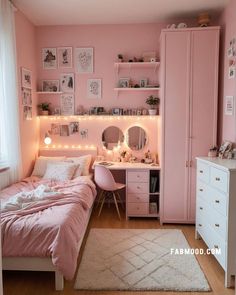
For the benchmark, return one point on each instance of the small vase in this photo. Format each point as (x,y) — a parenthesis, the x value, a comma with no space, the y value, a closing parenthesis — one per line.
(152,112)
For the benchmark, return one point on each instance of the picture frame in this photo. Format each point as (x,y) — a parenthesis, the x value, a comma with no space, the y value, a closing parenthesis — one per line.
(143,82)
(27,113)
(84,59)
(64,130)
(148,56)
(26,78)
(50,85)
(229,105)
(26,97)
(116,111)
(67,82)
(67,104)
(49,58)
(232,72)
(65,57)
(225,148)
(74,127)
(94,88)
(55,129)
(124,83)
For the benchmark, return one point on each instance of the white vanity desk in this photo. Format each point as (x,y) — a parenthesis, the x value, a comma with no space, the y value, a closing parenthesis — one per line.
(142,193)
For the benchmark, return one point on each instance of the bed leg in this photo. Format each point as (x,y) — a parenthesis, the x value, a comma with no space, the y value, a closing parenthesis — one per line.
(59,281)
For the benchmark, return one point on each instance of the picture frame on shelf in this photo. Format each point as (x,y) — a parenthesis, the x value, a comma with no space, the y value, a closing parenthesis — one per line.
(225,148)
(67,104)
(117,111)
(64,57)
(49,58)
(26,78)
(84,59)
(67,82)
(50,85)
(124,83)
(143,82)
(149,56)
(229,105)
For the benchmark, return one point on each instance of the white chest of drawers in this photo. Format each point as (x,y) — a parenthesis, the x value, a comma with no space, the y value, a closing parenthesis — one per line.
(216,210)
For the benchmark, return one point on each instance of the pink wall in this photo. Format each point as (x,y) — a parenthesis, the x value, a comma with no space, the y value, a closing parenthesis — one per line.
(25,40)
(107,41)
(227,124)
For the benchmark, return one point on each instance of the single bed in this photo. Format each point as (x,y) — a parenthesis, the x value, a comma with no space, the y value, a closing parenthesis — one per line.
(46,234)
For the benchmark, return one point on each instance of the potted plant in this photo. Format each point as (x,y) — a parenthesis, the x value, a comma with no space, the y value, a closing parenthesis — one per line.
(44,108)
(152,102)
(120,58)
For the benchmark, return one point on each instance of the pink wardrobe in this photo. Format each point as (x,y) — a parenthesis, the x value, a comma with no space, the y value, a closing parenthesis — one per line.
(189,59)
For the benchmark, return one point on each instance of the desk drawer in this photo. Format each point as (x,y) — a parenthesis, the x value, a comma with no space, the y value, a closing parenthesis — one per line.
(138,198)
(219,179)
(138,176)
(138,208)
(138,188)
(203,171)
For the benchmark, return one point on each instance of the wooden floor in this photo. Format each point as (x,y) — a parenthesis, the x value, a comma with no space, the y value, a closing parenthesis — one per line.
(36,283)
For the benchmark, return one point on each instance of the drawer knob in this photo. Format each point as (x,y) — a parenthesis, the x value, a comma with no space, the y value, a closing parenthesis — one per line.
(200,171)
(216,246)
(217,179)
(201,208)
(199,224)
(138,187)
(201,190)
(217,201)
(217,225)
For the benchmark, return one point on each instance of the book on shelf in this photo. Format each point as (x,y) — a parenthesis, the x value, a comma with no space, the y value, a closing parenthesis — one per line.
(153,184)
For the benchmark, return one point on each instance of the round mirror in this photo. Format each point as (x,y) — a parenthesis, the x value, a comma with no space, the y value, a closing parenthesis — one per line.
(112,136)
(136,138)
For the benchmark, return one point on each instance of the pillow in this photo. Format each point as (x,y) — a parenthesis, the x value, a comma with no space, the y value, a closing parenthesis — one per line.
(41,165)
(60,171)
(84,164)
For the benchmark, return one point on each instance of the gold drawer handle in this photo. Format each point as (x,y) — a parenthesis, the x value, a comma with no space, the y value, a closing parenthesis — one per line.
(216,246)
(201,208)
(217,225)
(201,190)
(217,201)
(200,224)
(217,179)
(200,171)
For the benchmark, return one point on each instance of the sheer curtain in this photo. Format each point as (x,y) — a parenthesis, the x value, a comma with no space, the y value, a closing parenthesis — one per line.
(10,152)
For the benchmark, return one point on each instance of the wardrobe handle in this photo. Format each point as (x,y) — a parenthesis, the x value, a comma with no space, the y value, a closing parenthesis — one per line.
(217,201)
(217,179)
(201,190)
(200,171)
(201,208)
(186,164)
(217,225)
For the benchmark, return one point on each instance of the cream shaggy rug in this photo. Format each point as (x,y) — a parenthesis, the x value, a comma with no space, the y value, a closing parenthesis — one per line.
(138,259)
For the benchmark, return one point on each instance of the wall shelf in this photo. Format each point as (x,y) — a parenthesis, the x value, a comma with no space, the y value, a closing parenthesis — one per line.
(131,65)
(49,92)
(137,89)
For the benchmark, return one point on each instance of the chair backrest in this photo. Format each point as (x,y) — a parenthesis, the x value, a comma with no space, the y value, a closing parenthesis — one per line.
(104,178)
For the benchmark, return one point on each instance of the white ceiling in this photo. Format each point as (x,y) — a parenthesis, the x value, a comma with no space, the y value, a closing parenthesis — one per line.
(71,12)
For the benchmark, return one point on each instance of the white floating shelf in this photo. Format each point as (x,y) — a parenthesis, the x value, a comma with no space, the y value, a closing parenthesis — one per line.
(49,92)
(137,89)
(137,64)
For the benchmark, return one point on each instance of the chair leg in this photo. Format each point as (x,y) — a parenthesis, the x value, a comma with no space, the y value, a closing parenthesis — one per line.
(99,197)
(118,195)
(100,210)
(117,208)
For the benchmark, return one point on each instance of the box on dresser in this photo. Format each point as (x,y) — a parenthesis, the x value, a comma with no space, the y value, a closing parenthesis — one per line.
(215,210)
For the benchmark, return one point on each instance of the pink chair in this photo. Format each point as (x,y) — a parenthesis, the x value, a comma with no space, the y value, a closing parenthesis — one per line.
(105,181)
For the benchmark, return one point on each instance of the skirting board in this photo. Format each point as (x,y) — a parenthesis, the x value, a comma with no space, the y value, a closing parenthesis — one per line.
(40,264)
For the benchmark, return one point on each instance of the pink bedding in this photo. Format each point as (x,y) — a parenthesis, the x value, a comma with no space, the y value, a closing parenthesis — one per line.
(50,227)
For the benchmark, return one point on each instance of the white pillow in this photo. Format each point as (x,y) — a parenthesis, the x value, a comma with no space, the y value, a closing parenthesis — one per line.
(60,171)
(41,164)
(84,164)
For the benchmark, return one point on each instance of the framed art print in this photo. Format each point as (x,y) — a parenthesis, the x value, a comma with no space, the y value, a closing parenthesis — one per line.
(26,78)
(94,88)
(84,59)
(67,82)
(49,56)
(64,57)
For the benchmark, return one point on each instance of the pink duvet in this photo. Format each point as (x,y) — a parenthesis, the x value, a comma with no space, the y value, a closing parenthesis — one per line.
(49,227)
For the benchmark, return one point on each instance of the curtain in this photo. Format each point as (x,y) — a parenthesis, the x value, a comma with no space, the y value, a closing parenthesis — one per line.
(10,152)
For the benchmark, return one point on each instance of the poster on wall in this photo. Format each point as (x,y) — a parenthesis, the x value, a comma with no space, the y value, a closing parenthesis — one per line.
(49,57)
(67,83)
(64,57)
(231,54)
(94,88)
(84,60)
(229,105)
(67,104)
(26,78)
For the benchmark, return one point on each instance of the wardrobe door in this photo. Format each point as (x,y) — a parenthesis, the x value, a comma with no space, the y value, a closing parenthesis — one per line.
(175,120)
(203,110)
